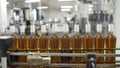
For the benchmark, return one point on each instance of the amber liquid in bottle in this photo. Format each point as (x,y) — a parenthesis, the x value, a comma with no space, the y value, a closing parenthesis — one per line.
(65,48)
(99,46)
(76,47)
(54,47)
(110,42)
(43,42)
(23,43)
(32,43)
(87,44)
(65,42)
(14,46)
(23,47)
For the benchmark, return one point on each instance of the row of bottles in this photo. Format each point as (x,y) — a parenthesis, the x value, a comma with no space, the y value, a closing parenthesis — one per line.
(66,44)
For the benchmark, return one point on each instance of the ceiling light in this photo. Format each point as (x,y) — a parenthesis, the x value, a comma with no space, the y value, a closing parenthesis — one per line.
(76,9)
(65,0)
(90,6)
(64,7)
(7,3)
(32,1)
(76,6)
(44,7)
(95,2)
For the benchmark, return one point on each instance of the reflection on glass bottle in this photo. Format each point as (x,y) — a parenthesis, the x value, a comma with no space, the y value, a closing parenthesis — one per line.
(76,44)
(99,44)
(87,41)
(110,42)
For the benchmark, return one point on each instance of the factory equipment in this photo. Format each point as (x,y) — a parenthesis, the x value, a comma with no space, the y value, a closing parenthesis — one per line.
(91,60)
(5,43)
(34,46)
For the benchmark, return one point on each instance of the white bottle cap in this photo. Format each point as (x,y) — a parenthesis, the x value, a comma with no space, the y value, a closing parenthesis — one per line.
(110,27)
(22,29)
(88,28)
(99,27)
(54,27)
(32,28)
(66,28)
(43,29)
(12,29)
(76,28)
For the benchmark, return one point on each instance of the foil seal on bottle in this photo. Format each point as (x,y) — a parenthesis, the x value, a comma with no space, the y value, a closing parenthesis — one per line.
(110,28)
(88,28)
(32,28)
(22,29)
(66,28)
(12,29)
(76,28)
(43,29)
(99,27)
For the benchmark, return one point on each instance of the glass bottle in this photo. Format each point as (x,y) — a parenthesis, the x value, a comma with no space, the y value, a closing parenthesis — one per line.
(110,42)
(87,42)
(23,44)
(99,43)
(65,45)
(32,39)
(76,44)
(43,40)
(14,46)
(54,45)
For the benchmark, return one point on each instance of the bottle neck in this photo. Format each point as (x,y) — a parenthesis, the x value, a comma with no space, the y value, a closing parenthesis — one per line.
(22,33)
(54,34)
(12,33)
(110,33)
(77,34)
(65,34)
(32,33)
(87,33)
(43,34)
(98,33)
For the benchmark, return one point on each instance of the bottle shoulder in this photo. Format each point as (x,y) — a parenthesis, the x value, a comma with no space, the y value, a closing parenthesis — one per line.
(111,36)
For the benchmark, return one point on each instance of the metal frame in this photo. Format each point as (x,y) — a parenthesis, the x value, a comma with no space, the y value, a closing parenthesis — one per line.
(63,54)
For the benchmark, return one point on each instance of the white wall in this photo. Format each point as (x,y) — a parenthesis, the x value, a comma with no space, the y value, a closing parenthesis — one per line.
(117,24)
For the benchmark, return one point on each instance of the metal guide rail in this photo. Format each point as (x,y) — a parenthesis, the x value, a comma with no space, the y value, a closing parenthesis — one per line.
(63,54)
